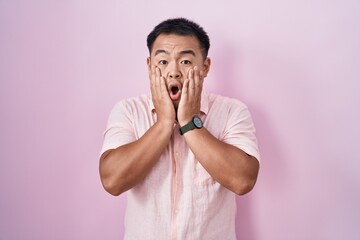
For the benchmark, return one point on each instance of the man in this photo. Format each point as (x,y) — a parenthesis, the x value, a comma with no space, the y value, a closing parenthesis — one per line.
(181,154)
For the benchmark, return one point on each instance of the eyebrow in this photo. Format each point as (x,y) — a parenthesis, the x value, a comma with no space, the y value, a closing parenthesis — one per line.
(191,52)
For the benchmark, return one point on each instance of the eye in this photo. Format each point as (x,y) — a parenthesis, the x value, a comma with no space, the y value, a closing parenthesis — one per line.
(186,62)
(162,62)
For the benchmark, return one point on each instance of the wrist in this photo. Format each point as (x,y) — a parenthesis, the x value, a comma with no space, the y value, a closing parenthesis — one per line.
(165,124)
(194,123)
(184,121)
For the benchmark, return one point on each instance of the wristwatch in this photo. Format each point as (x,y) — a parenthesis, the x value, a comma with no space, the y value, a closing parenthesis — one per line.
(194,123)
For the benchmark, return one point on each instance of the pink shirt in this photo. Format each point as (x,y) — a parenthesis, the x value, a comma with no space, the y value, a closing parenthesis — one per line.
(179,199)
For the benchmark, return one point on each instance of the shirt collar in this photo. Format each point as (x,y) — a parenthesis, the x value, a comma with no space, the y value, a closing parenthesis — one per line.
(204,107)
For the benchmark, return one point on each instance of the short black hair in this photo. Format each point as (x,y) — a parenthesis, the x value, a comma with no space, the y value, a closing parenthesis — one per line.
(182,27)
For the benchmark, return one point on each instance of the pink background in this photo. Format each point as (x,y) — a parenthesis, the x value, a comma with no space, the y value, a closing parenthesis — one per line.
(64,64)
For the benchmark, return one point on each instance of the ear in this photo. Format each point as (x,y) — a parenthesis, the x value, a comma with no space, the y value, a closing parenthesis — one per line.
(148,63)
(206,66)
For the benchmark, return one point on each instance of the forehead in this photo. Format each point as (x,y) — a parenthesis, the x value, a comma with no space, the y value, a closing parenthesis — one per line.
(175,43)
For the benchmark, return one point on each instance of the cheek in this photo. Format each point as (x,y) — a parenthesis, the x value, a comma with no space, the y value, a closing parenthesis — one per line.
(185,70)
(162,69)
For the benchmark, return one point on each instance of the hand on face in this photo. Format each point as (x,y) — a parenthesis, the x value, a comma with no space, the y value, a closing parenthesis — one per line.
(190,100)
(189,104)
(164,107)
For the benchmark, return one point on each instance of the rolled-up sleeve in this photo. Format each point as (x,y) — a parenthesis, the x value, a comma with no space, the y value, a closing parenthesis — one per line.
(240,130)
(120,129)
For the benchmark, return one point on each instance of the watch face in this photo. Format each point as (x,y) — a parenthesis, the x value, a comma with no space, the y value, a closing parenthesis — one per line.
(197,122)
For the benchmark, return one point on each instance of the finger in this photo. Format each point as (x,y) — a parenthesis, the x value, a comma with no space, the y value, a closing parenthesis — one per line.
(191,87)
(163,88)
(185,89)
(155,84)
(152,74)
(196,78)
(158,81)
(152,80)
(197,81)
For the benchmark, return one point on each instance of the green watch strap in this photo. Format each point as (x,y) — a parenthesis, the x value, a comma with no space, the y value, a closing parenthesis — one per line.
(186,128)
(194,123)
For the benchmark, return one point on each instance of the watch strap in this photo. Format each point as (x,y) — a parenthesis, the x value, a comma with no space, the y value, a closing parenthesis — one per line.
(187,127)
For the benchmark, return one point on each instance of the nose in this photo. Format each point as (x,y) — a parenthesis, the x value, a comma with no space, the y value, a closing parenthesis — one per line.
(175,75)
(174,72)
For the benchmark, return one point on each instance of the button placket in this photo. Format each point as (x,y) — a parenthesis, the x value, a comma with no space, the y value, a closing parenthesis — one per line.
(177,155)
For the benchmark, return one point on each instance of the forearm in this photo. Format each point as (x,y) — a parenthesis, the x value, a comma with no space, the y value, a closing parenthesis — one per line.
(228,165)
(124,167)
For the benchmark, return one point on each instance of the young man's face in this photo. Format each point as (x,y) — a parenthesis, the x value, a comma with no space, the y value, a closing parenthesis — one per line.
(175,55)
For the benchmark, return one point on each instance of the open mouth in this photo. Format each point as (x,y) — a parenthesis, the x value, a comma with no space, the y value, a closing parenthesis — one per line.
(175,91)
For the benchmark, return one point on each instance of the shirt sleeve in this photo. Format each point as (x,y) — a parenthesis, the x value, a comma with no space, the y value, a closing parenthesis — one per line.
(119,130)
(240,130)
